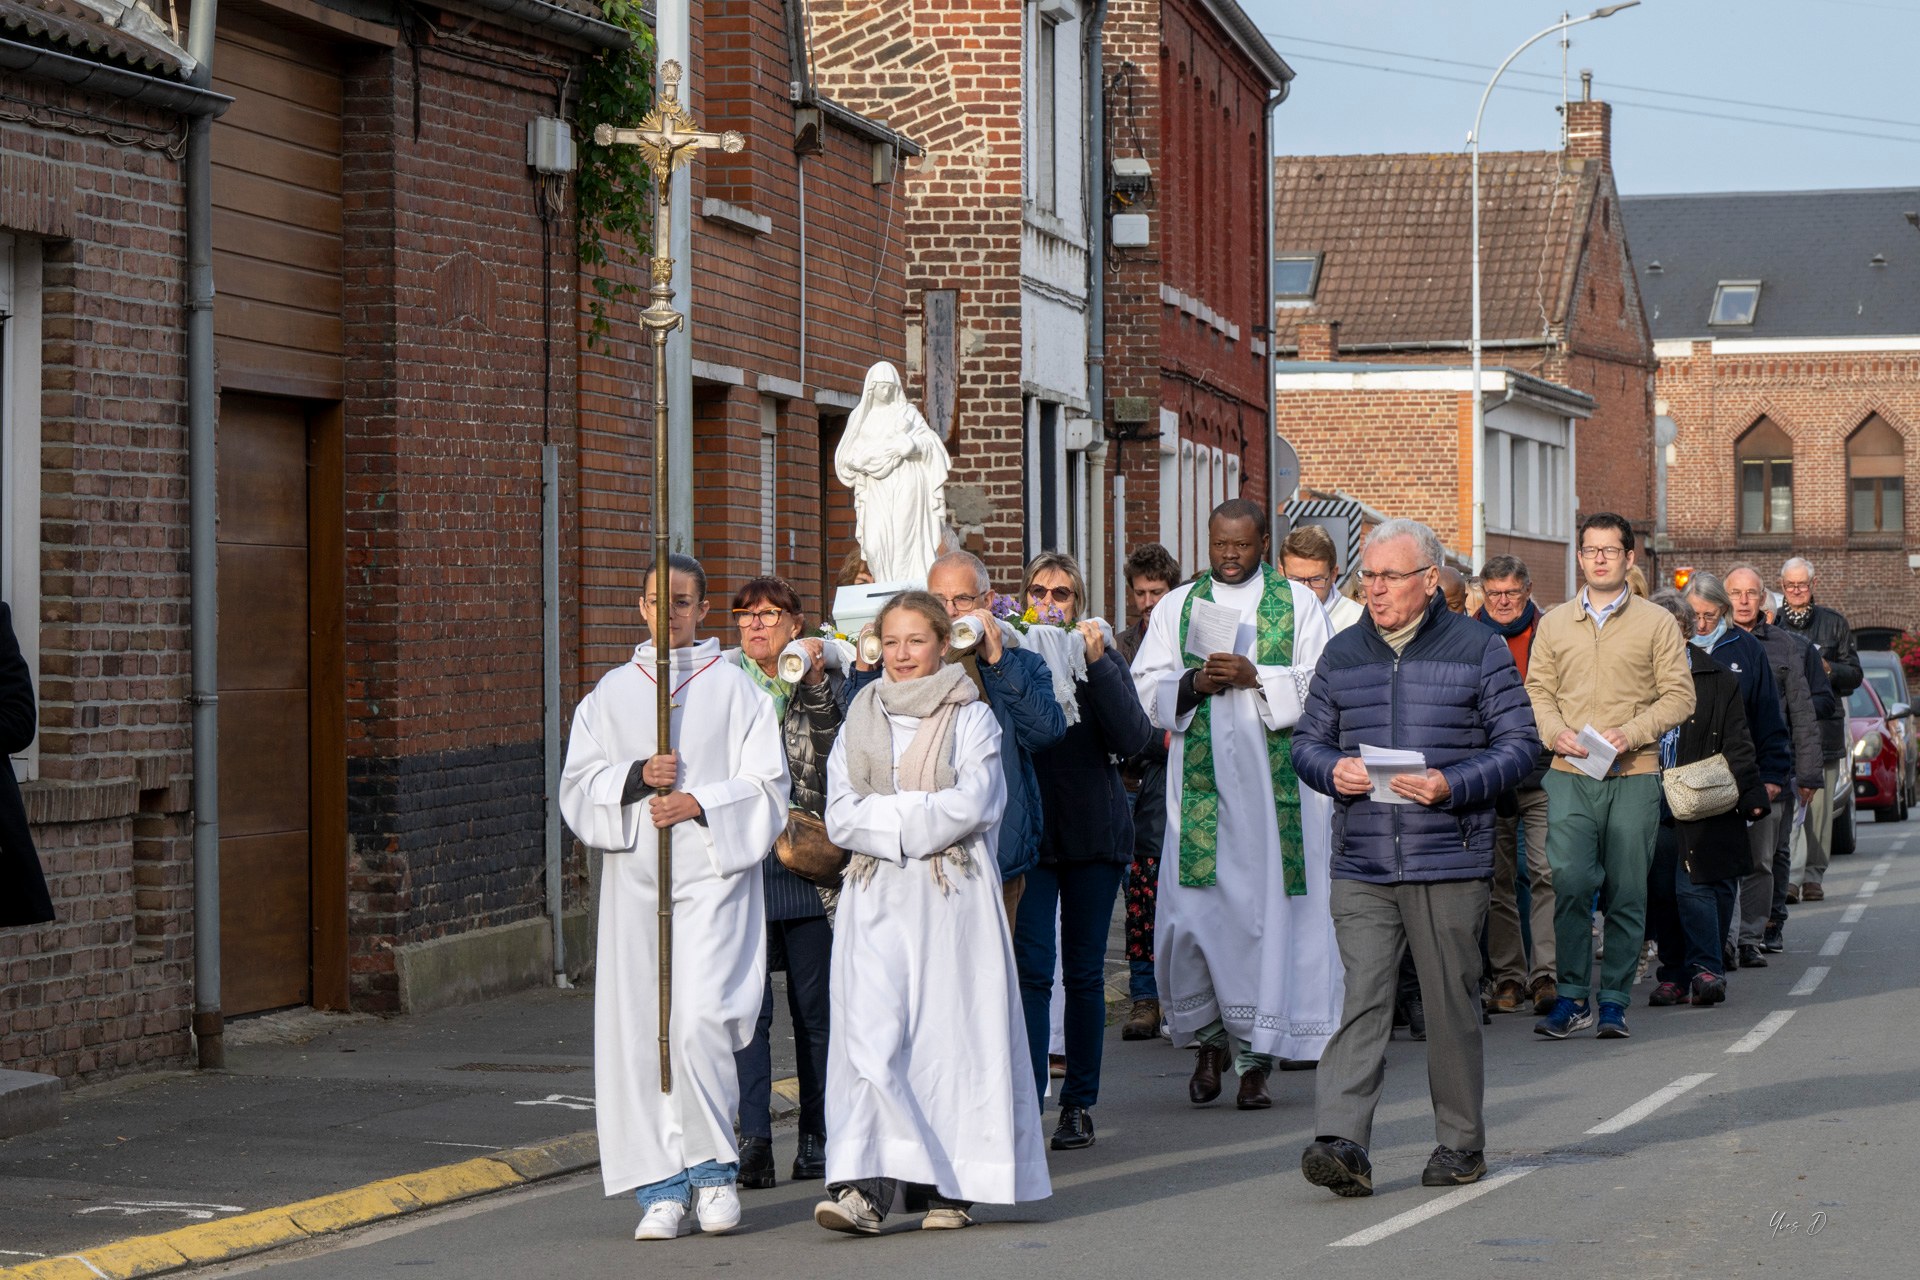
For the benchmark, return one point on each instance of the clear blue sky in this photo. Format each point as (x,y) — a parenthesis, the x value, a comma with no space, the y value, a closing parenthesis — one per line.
(1844,58)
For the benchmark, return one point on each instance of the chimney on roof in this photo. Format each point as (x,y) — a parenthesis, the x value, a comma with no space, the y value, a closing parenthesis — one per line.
(1319,339)
(1589,127)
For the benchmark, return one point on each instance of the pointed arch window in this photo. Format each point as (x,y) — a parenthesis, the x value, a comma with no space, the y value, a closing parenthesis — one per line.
(1764,458)
(1876,478)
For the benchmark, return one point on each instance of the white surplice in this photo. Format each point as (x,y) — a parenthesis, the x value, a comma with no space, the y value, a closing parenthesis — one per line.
(733,763)
(928,1078)
(1242,950)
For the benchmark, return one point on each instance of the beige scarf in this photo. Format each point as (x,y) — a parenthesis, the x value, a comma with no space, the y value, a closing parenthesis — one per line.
(926,765)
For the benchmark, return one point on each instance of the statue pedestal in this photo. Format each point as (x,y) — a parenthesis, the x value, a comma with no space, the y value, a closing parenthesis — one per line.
(854,607)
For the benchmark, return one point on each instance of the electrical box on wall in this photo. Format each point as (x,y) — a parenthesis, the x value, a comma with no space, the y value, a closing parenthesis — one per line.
(549,145)
(1130,231)
(1079,434)
(1131,175)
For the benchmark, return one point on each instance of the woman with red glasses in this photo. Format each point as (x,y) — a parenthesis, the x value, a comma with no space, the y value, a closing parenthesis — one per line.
(1086,844)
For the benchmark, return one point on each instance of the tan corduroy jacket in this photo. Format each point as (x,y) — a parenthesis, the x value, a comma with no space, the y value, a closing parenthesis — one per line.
(1630,675)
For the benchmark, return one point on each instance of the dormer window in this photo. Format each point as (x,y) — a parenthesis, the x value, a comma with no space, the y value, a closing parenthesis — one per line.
(1735,302)
(1295,276)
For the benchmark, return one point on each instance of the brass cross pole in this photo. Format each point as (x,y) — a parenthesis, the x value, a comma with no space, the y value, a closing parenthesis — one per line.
(668,139)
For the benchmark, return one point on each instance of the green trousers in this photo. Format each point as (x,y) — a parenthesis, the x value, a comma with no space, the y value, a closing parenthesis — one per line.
(1216,1036)
(1600,840)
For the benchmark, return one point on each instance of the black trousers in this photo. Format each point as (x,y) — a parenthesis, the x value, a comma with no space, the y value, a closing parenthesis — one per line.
(808,948)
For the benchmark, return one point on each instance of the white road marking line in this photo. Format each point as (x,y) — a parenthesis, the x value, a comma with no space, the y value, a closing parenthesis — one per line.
(85,1262)
(477,1146)
(1433,1208)
(1853,913)
(1881,868)
(1835,942)
(1868,889)
(1651,1103)
(1814,975)
(1758,1036)
(21,1253)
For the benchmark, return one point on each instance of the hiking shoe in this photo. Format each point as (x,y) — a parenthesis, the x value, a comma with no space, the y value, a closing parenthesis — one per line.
(717,1208)
(1568,1016)
(1075,1131)
(1774,939)
(1708,988)
(1544,995)
(945,1220)
(1339,1165)
(1613,1021)
(1667,993)
(849,1212)
(1143,1023)
(1449,1168)
(664,1220)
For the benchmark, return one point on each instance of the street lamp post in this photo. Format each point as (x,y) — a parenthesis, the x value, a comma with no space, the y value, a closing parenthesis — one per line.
(1479,408)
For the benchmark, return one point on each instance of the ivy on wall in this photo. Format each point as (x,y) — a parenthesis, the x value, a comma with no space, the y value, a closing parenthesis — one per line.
(613,186)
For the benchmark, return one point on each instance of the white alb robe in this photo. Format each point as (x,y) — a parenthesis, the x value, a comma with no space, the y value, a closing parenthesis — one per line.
(734,764)
(928,1078)
(1242,950)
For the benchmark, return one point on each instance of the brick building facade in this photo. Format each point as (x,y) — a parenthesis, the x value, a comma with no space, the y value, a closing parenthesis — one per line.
(1788,336)
(1373,264)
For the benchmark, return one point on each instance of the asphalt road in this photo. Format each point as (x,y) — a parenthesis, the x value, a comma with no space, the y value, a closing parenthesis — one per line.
(1768,1135)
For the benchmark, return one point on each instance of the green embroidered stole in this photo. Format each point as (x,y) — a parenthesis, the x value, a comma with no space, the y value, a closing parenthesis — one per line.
(1199,790)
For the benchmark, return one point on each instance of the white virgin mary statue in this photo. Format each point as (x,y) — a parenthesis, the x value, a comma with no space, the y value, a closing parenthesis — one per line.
(897,469)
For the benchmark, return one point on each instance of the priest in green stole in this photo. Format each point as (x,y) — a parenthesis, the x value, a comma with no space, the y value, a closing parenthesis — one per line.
(1248,968)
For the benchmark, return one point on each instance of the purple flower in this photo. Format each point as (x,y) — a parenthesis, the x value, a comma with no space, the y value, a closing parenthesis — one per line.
(1004,606)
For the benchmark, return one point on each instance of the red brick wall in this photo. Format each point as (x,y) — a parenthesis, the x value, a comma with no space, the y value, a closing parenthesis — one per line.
(104,988)
(1397,451)
(1819,400)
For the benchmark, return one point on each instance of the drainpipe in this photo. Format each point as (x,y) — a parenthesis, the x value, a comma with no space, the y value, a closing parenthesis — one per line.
(1094,133)
(1273,354)
(208,1025)
(673,35)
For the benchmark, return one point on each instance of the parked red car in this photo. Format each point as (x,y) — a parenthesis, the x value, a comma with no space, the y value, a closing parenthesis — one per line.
(1879,768)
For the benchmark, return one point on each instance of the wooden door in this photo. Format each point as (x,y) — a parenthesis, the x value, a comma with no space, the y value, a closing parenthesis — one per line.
(266,850)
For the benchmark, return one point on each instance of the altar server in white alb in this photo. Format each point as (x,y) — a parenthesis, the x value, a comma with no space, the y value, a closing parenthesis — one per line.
(929,1088)
(729,800)
(1246,960)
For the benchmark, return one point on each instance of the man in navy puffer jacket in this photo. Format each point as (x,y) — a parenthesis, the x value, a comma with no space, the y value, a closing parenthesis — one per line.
(1412,873)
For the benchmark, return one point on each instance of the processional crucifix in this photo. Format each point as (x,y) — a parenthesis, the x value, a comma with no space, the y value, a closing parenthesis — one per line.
(667,138)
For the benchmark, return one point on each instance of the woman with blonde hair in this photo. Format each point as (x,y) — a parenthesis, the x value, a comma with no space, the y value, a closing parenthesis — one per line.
(927,1090)
(1086,842)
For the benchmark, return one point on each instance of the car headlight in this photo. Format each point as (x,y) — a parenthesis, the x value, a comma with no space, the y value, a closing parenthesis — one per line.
(1868,747)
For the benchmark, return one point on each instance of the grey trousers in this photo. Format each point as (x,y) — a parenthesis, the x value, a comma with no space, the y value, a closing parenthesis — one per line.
(1440,925)
(1756,887)
(1506,957)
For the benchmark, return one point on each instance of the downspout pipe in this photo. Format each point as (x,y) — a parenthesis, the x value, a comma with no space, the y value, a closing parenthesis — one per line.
(1094,130)
(1276,501)
(208,1023)
(673,42)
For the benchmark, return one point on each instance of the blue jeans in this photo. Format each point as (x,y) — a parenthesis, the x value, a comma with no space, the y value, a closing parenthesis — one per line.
(1140,981)
(679,1188)
(1081,896)
(1689,921)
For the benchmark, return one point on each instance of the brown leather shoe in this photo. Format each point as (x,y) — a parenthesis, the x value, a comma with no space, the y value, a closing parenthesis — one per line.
(1208,1063)
(1508,997)
(1812,892)
(1544,994)
(1143,1023)
(1253,1091)
(1793,893)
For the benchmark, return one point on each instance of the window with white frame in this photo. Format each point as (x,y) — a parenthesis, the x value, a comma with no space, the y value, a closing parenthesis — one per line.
(20,457)
(1194,479)
(1528,490)
(1043,101)
(769,479)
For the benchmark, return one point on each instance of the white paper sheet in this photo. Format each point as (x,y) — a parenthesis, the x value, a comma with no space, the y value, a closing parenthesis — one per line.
(1384,764)
(1212,628)
(1600,754)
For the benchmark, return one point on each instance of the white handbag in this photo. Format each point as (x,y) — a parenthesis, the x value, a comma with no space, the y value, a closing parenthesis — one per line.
(1703,789)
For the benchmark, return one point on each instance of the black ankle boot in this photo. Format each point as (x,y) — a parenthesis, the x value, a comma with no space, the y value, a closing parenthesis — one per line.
(756,1163)
(1075,1131)
(810,1161)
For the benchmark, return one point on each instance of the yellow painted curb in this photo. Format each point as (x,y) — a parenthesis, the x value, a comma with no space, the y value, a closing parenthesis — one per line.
(210,1242)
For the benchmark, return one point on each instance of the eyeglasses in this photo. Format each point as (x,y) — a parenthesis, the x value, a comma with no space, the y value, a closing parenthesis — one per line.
(1795,587)
(1602,554)
(1504,596)
(1317,581)
(758,617)
(962,603)
(681,604)
(1390,577)
(1059,595)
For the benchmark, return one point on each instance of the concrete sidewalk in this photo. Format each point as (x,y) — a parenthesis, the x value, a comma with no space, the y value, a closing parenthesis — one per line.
(320,1122)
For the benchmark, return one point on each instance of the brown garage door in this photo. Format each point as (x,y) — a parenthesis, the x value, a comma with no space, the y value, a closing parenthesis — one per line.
(265,674)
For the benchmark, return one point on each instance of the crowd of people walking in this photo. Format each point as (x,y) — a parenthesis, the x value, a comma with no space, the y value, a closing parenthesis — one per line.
(1326,817)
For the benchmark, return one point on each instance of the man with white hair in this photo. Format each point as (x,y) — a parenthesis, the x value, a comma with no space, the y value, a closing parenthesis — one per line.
(1410,870)
(1827,630)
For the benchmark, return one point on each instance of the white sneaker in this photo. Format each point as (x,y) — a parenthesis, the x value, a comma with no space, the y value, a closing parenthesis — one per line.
(717,1208)
(665,1220)
(945,1220)
(848,1212)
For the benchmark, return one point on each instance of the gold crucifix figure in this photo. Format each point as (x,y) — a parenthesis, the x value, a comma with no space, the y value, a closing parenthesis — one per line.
(668,137)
